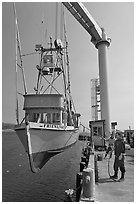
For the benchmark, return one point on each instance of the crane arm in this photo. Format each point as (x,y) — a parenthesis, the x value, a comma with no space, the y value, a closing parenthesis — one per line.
(101,42)
(78,10)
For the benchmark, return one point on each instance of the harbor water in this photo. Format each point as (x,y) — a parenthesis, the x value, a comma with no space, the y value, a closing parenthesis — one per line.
(19,184)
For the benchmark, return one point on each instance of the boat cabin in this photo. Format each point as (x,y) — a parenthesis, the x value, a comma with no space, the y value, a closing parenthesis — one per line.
(44,108)
(47,65)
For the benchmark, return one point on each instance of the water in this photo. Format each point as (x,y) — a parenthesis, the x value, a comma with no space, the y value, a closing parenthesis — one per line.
(19,184)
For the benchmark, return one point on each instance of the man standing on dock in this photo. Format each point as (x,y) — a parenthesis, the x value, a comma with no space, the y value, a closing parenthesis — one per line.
(119,150)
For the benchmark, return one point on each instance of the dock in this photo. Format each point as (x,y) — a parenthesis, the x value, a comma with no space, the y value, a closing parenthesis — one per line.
(93,183)
(106,189)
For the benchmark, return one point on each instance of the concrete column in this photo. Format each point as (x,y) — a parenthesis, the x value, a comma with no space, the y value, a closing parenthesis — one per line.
(88,185)
(102,53)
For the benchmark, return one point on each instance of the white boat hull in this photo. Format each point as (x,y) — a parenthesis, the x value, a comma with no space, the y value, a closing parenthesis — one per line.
(42,142)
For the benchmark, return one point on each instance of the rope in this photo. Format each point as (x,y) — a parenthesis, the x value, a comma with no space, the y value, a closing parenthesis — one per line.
(85,127)
(68,139)
(32,53)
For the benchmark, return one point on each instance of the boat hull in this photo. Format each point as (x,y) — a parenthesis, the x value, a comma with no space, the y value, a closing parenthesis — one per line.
(42,142)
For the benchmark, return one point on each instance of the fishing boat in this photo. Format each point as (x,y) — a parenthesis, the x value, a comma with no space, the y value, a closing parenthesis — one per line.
(50,124)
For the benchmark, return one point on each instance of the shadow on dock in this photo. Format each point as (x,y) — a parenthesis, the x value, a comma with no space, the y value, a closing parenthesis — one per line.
(105,180)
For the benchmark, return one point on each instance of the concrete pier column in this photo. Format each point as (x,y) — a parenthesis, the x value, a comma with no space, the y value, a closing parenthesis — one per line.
(88,185)
(103,66)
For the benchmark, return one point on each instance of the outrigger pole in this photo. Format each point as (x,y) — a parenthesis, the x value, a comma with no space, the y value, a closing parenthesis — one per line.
(18,51)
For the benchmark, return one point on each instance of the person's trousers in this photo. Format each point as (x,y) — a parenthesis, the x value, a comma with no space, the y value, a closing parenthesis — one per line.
(119,164)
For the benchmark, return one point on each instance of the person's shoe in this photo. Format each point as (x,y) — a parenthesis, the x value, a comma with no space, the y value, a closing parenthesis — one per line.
(114,177)
(121,179)
(122,176)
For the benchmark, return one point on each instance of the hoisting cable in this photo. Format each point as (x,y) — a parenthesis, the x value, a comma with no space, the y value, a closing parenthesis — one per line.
(109,159)
(84,127)
(110,156)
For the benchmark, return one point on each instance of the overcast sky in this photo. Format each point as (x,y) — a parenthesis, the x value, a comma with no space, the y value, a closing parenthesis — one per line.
(118,21)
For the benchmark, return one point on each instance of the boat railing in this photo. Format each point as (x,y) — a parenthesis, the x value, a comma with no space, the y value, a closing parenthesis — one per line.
(48,125)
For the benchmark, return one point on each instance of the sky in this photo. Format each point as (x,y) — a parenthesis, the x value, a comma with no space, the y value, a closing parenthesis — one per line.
(117,18)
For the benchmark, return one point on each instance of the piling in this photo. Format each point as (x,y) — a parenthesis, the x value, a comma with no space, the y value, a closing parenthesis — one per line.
(88,185)
(83,159)
(82,166)
(96,169)
(78,185)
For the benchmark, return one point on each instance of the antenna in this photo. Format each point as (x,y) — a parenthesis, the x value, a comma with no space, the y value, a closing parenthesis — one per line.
(61,22)
(56,27)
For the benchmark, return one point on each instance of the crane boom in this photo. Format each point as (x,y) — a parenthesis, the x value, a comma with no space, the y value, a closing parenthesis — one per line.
(101,42)
(78,10)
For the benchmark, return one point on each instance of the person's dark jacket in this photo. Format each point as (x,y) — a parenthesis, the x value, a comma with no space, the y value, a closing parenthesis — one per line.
(119,147)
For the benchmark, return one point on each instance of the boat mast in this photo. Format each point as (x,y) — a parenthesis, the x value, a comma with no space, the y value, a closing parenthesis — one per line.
(17,110)
(53,74)
(67,57)
(39,73)
(18,51)
(67,63)
(56,25)
(59,54)
(58,49)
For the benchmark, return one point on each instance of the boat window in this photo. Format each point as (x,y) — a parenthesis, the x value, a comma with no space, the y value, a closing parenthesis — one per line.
(40,118)
(56,117)
(33,117)
(45,118)
(37,117)
(100,131)
(49,118)
(97,131)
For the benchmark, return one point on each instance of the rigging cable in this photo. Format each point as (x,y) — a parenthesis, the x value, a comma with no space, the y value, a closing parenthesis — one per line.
(67,57)
(67,60)
(39,74)
(53,74)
